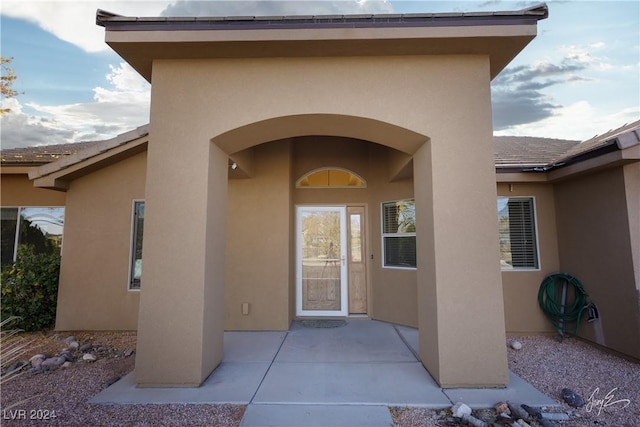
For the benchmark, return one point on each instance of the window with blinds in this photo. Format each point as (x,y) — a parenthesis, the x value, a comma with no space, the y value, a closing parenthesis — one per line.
(399,234)
(517,228)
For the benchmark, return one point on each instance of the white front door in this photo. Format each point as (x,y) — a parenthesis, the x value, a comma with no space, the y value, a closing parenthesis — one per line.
(321,271)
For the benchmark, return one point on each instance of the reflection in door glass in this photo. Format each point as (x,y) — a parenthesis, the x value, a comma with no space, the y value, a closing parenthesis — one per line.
(321,261)
(356,238)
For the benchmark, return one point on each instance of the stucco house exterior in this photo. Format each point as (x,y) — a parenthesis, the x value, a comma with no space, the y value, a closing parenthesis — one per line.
(333,166)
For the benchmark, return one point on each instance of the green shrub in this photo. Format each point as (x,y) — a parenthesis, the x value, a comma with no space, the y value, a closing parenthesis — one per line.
(30,289)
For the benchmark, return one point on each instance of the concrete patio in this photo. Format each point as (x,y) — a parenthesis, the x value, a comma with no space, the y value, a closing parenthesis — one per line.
(340,376)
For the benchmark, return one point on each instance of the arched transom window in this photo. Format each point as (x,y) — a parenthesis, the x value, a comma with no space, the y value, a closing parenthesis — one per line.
(331,177)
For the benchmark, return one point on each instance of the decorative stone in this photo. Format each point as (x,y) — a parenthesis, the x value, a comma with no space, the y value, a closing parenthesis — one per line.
(66,364)
(128,352)
(572,398)
(73,345)
(460,410)
(69,339)
(517,411)
(35,363)
(502,408)
(85,347)
(52,362)
(37,359)
(88,357)
(15,367)
(516,345)
(67,356)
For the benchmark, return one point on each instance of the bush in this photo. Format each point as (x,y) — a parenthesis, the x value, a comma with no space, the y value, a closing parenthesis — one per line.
(30,289)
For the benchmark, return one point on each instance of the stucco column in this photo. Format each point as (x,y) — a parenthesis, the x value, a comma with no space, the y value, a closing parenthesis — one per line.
(460,304)
(180,325)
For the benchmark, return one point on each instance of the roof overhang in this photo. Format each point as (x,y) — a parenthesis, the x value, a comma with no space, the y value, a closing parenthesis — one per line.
(500,35)
(57,175)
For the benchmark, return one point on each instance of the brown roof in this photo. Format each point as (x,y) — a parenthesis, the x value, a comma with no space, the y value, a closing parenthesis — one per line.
(42,154)
(530,154)
(166,23)
(519,151)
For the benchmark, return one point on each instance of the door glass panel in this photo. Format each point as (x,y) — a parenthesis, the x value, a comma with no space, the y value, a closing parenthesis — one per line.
(321,260)
(356,238)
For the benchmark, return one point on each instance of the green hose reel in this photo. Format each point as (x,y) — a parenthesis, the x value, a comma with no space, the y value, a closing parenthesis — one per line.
(563,300)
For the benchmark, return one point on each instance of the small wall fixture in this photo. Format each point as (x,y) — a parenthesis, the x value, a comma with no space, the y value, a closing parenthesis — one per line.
(234,166)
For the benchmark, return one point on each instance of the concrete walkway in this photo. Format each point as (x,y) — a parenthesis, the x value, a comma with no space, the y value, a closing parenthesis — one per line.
(344,376)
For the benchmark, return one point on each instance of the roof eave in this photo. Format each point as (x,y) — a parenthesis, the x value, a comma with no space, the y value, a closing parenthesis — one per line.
(56,175)
(500,35)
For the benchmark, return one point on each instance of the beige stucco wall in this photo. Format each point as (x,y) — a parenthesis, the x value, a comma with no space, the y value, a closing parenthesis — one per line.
(257,250)
(520,287)
(94,277)
(17,190)
(402,102)
(596,235)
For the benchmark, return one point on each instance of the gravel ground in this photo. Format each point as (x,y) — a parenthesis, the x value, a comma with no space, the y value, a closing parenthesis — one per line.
(544,362)
(550,366)
(60,394)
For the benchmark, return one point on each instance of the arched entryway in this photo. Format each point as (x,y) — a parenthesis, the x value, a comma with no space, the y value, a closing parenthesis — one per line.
(188,171)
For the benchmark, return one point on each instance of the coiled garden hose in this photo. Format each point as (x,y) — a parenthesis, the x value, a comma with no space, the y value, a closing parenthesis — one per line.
(553,297)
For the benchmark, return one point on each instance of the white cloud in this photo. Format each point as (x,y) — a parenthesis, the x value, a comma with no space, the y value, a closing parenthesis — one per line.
(579,121)
(117,108)
(75,21)
(276,7)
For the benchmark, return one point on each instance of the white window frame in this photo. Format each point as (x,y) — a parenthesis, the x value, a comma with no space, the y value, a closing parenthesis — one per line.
(16,241)
(132,245)
(536,236)
(385,235)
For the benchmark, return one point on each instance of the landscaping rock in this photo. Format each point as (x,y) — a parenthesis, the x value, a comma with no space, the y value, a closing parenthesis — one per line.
(68,340)
(66,364)
(37,360)
(537,415)
(502,408)
(88,357)
(15,367)
(73,345)
(86,347)
(572,398)
(128,352)
(68,356)
(460,410)
(53,362)
(516,345)
(517,411)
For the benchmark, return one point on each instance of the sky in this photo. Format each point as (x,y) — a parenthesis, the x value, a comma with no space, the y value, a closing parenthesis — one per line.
(578,78)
